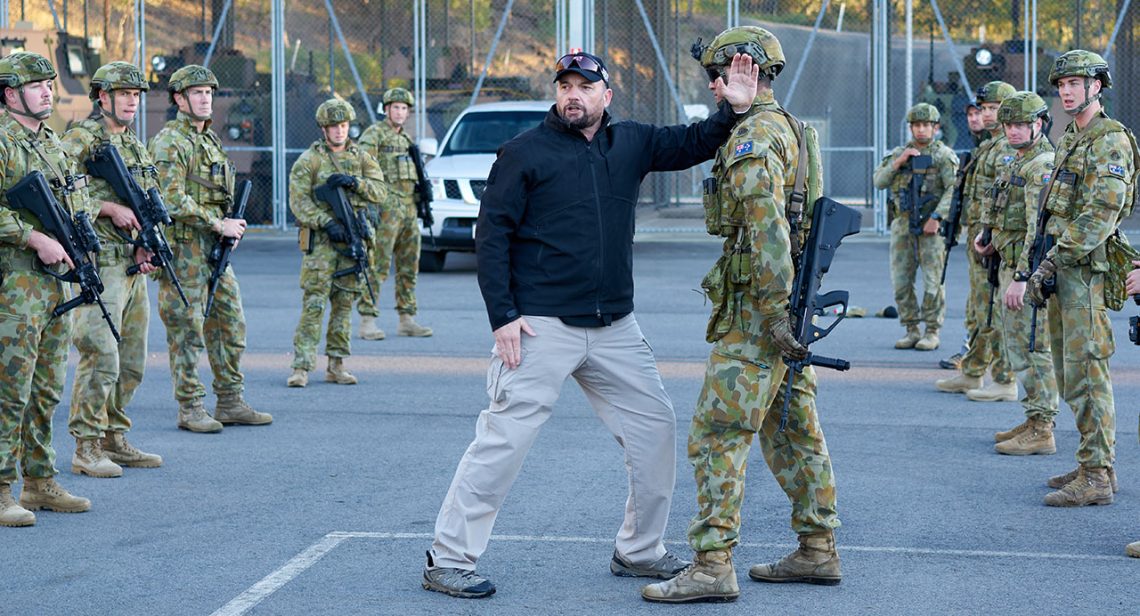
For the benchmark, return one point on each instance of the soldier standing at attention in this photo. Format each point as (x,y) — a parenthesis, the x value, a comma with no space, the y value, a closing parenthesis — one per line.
(33,343)
(398,234)
(198,185)
(985,350)
(909,251)
(109,372)
(1091,192)
(1012,220)
(337,161)
(755,172)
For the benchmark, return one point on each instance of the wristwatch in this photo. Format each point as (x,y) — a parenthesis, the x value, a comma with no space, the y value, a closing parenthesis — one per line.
(936,216)
(1021,276)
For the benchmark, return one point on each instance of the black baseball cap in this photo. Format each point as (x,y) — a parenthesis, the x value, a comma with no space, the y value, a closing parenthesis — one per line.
(585,64)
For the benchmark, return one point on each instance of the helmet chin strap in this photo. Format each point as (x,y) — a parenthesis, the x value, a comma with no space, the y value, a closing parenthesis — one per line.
(1089,99)
(190,109)
(923,142)
(40,115)
(113,115)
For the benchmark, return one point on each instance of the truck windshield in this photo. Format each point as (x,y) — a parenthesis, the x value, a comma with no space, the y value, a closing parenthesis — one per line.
(484,132)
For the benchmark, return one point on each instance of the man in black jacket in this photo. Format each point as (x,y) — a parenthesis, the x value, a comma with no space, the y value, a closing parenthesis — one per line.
(555,254)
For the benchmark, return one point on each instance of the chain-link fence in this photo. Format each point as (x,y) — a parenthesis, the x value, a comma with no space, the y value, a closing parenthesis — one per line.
(357,48)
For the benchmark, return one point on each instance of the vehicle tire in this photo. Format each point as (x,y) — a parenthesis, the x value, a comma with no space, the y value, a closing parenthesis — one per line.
(432,260)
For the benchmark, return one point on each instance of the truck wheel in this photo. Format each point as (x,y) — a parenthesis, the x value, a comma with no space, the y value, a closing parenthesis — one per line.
(432,260)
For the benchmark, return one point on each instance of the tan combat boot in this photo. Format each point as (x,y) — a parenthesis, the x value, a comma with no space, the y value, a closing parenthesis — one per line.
(929,341)
(710,578)
(193,417)
(1059,481)
(45,493)
(1036,439)
(815,562)
(409,327)
(1012,432)
(910,339)
(299,378)
(1132,549)
(89,459)
(958,384)
(232,409)
(337,373)
(1090,487)
(11,513)
(120,451)
(994,392)
(369,330)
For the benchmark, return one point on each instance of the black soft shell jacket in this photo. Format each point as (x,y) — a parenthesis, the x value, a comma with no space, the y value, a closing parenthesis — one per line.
(555,229)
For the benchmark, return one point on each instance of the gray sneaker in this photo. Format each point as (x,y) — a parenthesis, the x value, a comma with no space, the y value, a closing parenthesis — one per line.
(456,582)
(664,568)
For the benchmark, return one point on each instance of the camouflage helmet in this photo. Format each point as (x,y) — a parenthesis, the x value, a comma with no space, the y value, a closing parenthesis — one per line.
(1022,107)
(759,44)
(995,92)
(335,111)
(191,75)
(398,95)
(1080,63)
(117,76)
(923,112)
(23,67)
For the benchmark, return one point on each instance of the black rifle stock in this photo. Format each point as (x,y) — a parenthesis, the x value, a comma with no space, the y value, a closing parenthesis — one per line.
(77,237)
(951,226)
(1042,243)
(356,228)
(219,258)
(914,203)
(106,163)
(992,263)
(830,223)
(424,194)
(1134,324)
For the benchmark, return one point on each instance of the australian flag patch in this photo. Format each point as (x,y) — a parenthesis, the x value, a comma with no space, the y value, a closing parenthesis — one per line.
(743,148)
(1045,178)
(1115,169)
(1007,159)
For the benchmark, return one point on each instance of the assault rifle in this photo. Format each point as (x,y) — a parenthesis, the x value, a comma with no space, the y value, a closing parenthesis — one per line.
(830,223)
(992,263)
(951,226)
(1134,324)
(219,258)
(1042,243)
(108,164)
(77,237)
(914,203)
(423,191)
(357,229)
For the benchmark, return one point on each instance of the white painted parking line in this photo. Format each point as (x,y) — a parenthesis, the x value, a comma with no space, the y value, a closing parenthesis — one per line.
(307,558)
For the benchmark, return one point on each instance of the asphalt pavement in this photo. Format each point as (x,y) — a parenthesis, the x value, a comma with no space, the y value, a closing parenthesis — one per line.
(329,510)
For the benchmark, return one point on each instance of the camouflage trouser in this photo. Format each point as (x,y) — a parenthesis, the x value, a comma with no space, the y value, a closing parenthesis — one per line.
(33,354)
(397,237)
(320,287)
(986,350)
(1035,369)
(743,394)
(1081,336)
(904,267)
(188,333)
(109,373)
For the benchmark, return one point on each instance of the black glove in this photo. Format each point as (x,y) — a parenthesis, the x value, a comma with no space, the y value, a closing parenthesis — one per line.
(336,232)
(1036,288)
(343,180)
(781,332)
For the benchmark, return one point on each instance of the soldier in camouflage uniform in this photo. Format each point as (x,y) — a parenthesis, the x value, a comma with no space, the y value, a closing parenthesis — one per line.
(985,351)
(109,372)
(33,343)
(1011,221)
(1091,191)
(337,161)
(398,233)
(909,251)
(198,185)
(755,171)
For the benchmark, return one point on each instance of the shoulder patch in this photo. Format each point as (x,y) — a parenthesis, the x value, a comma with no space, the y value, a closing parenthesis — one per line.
(1008,158)
(742,148)
(1045,177)
(1115,169)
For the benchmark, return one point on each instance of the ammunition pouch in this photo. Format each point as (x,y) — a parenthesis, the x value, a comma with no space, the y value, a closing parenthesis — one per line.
(1119,254)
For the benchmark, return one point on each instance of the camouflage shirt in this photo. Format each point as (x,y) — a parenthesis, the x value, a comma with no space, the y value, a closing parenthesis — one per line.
(939,180)
(1093,189)
(315,165)
(81,139)
(23,152)
(196,176)
(390,148)
(1013,212)
(979,184)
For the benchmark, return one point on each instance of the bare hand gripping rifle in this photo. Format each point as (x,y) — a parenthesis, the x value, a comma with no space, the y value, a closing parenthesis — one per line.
(219,258)
(77,237)
(830,223)
(148,207)
(357,229)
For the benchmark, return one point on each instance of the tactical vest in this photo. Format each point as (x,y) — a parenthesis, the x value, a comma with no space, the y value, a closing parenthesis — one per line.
(391,151)
(981,179)
(899,189)
(1064,200)
(1008,211)
(93,134)
(49,157)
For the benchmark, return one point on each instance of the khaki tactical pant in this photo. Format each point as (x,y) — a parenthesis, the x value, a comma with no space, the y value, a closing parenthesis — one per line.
(397,239)
(986,352)
(1035,370)
(904,267)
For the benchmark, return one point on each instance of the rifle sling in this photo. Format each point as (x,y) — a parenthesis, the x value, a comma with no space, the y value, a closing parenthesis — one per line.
(795,205)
